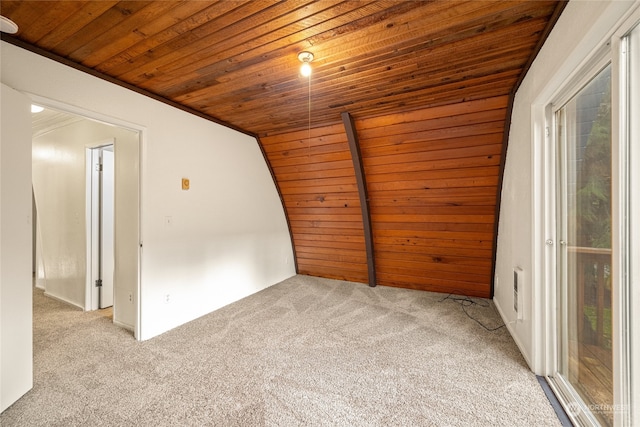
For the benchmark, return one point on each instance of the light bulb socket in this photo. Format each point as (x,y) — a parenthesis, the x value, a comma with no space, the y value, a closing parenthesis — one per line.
(305,57)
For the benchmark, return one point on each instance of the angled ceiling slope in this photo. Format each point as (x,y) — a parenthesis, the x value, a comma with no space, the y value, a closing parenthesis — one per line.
(399,68)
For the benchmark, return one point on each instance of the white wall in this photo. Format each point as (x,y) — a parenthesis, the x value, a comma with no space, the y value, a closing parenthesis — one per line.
(16,351)
(127,227)
(227,237)
(521,242)
(59,185)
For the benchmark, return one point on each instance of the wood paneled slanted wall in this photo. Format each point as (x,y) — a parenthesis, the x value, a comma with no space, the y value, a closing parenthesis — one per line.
(432,177)
(315,174)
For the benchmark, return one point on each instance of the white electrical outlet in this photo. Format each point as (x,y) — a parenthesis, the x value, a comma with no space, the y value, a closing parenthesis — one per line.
(167,298)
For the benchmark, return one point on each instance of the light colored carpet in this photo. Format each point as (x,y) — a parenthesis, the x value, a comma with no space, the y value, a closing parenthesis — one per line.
(306,351)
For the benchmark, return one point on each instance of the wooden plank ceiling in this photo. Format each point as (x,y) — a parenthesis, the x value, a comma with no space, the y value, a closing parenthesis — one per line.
(427,83)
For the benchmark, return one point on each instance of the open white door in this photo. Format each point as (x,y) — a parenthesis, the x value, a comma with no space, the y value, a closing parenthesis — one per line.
(107,228)
(101,240)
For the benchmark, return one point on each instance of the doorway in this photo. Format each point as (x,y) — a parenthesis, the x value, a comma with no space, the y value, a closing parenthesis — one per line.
(79,246)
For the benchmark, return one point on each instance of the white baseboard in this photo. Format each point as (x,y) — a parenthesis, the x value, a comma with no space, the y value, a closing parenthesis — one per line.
(64,300)
(124,326)
(509,325)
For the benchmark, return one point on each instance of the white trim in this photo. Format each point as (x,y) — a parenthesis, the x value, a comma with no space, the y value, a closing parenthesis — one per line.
(538,132)
(634,262)
(547,252)
(71,109)
(124,326)
(629,157)
(142,167)
(582,76)
(619,232)
(88,192)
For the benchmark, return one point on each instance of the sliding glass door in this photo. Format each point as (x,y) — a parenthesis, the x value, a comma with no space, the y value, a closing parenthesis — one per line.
(584,252)
(591,234)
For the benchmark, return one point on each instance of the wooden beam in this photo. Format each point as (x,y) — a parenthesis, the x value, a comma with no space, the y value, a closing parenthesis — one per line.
(350,128)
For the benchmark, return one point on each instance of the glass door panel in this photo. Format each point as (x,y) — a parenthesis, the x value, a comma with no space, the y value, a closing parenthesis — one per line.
(584,250)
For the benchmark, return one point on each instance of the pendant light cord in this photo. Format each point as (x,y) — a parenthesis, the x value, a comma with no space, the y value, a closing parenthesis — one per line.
(309,123)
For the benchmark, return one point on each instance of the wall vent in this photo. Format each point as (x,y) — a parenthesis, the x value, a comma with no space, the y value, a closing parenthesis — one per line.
(518,285)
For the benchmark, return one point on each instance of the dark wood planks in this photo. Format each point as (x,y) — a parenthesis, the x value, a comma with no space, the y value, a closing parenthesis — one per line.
(431,181)
(318,185)
(432,176)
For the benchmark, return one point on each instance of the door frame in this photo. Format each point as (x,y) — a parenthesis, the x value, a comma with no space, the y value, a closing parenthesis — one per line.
(142,143)
(625,169)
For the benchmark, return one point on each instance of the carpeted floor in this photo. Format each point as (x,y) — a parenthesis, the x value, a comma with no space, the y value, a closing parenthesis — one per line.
(306,351)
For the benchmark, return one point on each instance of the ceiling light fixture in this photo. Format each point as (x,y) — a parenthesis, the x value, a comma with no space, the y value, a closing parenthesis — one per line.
(305,57)
(36,108)
(7,25)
